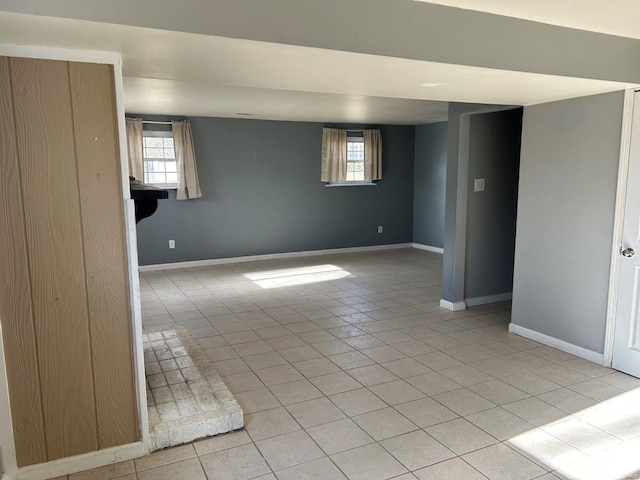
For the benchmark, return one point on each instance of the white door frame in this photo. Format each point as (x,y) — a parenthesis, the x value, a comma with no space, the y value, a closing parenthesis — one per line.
(124,452)
(618,225)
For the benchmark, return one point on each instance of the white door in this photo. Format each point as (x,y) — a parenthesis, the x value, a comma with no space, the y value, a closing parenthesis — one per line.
(626,347)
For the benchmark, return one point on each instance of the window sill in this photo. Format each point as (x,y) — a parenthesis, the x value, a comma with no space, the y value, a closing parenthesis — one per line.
(351,184)
(163,186)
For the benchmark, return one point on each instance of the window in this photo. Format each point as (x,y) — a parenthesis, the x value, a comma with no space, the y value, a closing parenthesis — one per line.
(159,159)
(355,162)
(351,157)
(355,159)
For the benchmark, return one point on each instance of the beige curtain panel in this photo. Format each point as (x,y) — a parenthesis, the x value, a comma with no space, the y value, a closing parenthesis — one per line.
(188,184)
(372,155)
(334,155)
(134,148)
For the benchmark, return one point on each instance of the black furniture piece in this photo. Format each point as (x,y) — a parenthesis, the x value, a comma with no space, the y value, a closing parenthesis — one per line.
(145,198)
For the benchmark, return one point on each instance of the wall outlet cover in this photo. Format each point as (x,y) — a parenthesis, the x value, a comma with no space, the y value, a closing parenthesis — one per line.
(478,185)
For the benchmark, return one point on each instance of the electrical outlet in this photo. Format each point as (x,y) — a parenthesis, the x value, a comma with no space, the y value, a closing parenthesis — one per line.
(478,185)
(172,244)
(379,228)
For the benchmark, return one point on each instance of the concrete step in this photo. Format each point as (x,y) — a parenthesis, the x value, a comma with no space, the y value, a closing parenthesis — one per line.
(186,397)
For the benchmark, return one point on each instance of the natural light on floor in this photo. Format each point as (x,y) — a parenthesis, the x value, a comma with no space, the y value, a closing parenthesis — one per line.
(589,443)
(288,277)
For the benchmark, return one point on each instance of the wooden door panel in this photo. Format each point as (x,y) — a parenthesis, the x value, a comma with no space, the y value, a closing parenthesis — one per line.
(100,188)
(64,284)
(16,313)
(45,139)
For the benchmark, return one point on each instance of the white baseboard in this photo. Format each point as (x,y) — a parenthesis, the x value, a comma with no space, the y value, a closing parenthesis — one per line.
(271,256)
(79,463)
(590,355)
(500,297)
(429,248)
(453,306)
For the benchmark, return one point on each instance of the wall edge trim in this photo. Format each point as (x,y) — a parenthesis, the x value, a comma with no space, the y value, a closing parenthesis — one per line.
(270,256)
(453,306)
(428,248)
(60,53)
(498,297)
(554,342)
(78,463)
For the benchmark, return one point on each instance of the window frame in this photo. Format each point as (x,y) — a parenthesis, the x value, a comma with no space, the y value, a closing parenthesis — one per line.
(160,134)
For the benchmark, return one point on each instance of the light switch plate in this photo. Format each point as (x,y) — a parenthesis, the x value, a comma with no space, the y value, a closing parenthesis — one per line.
(478,185)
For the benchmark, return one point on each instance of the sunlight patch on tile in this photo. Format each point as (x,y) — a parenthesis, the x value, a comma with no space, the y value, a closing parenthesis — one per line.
(289,277)
(578,449)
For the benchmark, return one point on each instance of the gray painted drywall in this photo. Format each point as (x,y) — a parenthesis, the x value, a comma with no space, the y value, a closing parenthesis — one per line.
(430,170)
(494,154)
(404,29)
(568,172)
(456,197)
(262,194)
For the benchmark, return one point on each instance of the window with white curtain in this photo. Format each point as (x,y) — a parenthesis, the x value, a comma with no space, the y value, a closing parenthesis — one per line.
(160,169)
(351,157)
(164,159)
(355,150)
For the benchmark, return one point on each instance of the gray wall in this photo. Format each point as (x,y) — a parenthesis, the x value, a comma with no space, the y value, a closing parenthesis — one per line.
(455,199)
(568,173)
(430,171)
(262,194)
(494,154)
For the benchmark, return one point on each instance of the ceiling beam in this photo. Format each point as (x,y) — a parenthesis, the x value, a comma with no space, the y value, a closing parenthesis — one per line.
(401,28)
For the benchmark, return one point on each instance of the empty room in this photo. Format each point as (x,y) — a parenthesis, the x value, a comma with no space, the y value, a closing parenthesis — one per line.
(341,240)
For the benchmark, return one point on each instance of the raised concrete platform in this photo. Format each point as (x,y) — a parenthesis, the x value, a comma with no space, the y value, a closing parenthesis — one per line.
(186,397)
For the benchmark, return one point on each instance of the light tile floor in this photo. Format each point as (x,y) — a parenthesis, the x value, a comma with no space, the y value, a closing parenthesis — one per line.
(346,368)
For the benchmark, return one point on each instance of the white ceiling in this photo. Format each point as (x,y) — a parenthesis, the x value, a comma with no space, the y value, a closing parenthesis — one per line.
(175,97)
(614,17)
(176,73)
